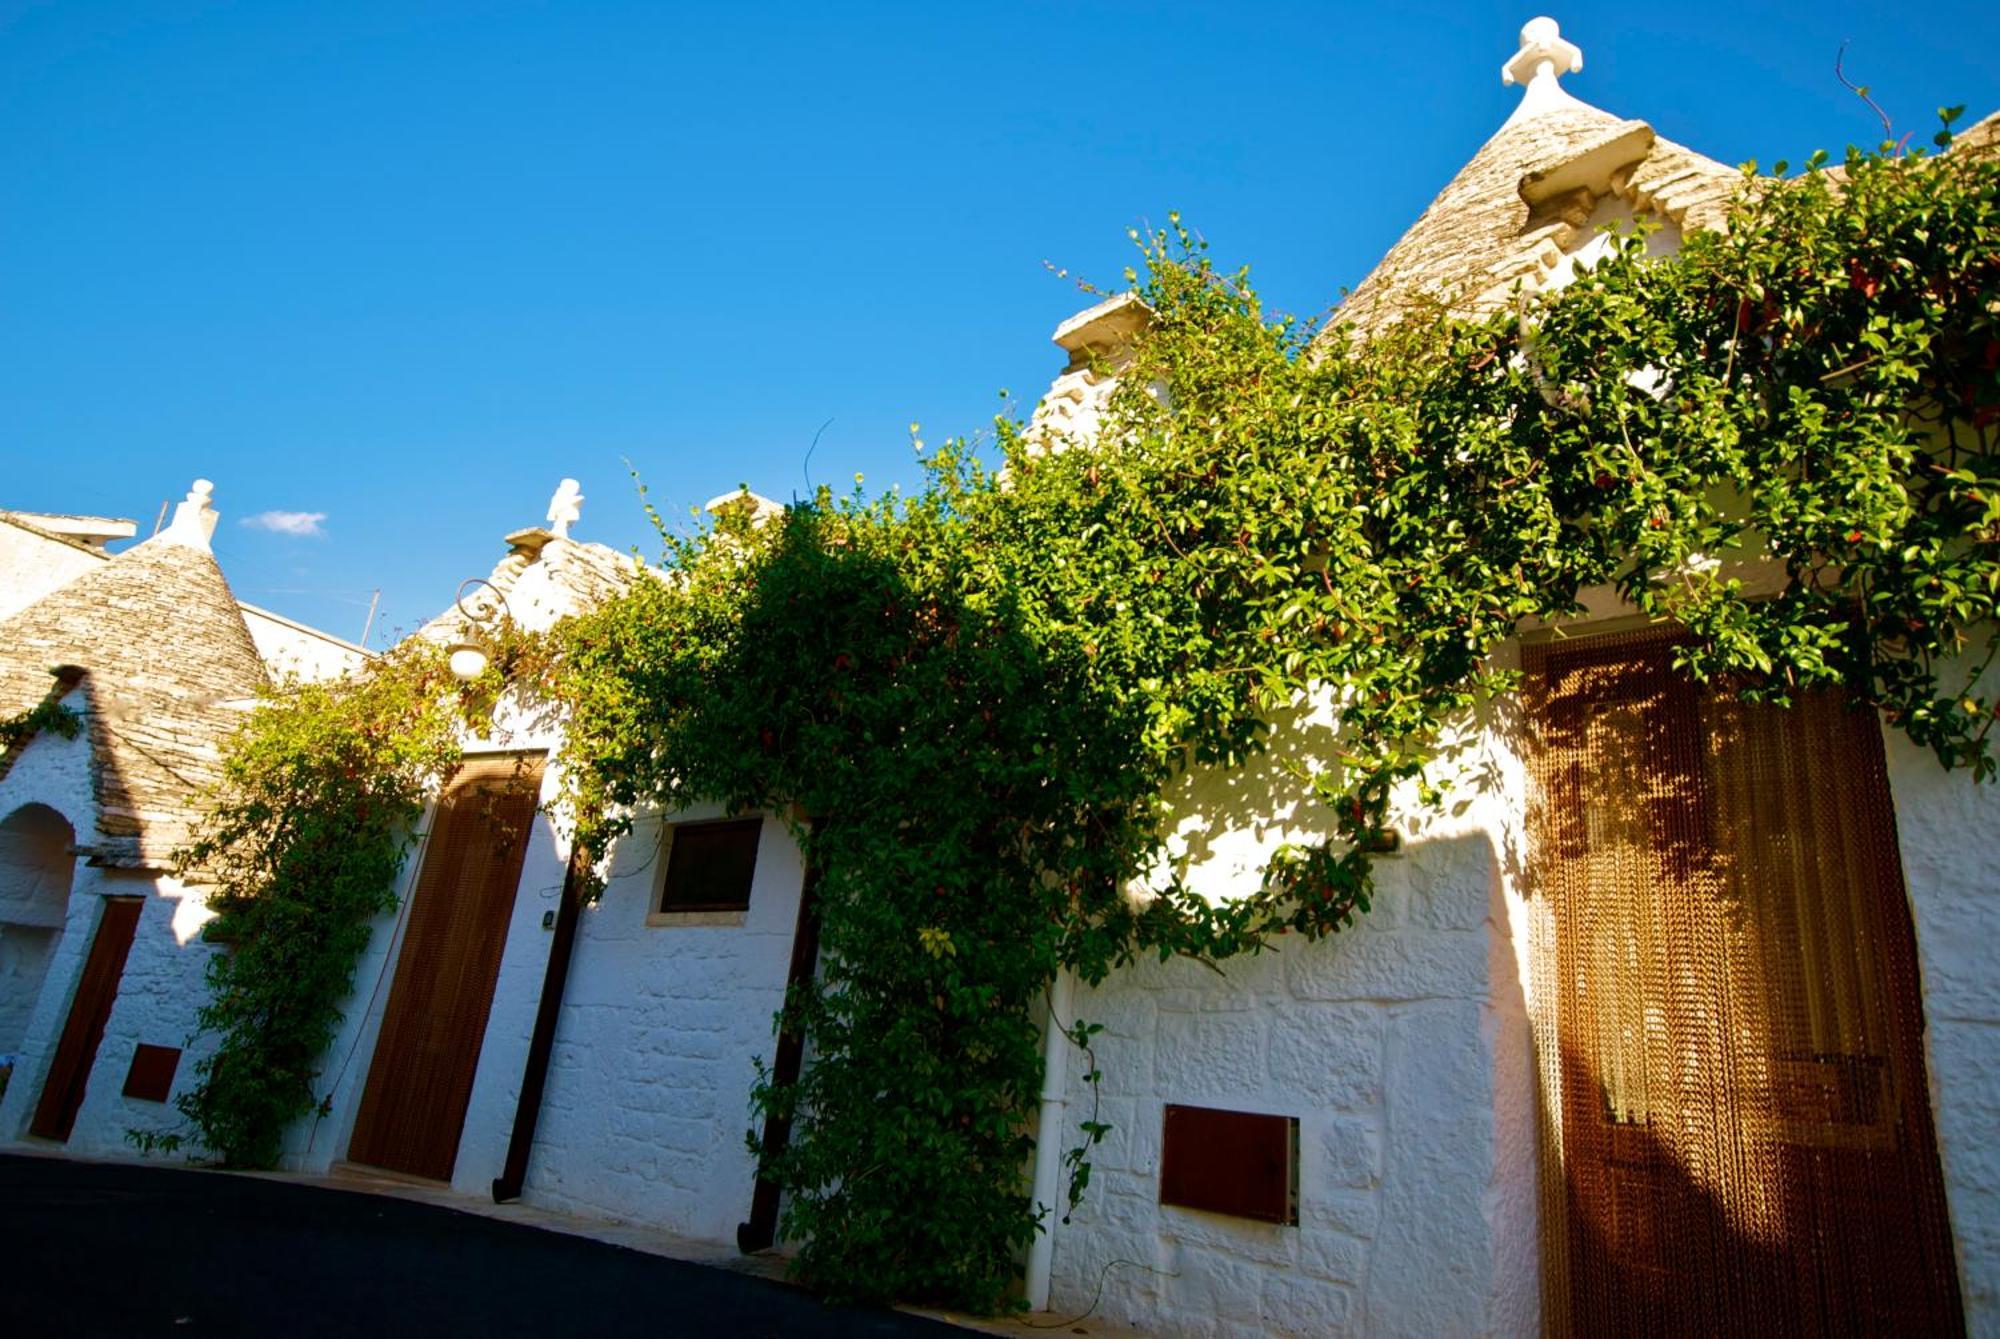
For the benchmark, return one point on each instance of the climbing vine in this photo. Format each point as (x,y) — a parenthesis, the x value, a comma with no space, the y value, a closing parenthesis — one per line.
(319,804)
(970,702)
(49,714)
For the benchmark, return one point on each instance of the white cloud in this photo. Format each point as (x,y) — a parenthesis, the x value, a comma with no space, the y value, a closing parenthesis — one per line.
(287,522)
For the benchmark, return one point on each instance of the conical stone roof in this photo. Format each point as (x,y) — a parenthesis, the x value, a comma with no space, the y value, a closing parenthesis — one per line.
(168,670)
(1526,196)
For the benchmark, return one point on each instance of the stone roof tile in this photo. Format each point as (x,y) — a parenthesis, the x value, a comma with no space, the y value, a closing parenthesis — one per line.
(169,669)
(1525,197)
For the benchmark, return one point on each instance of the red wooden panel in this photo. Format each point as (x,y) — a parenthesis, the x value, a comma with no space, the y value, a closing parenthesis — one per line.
(151,1077)
(1233,1162)
(413,1106)
(76,1052)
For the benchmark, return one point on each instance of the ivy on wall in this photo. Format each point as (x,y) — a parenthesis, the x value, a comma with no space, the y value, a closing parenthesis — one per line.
(319,804)
(49,714)
(970,701)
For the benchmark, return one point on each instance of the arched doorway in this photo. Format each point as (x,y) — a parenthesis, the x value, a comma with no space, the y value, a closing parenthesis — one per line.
(37,861)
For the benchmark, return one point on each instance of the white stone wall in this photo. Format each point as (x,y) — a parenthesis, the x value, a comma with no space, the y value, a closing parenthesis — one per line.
(158,995)
(648,1099)
(162,984)
(1949,831)
(294,651)
(31,567)
(1402,1046)
(648,1091)
(1405,1049)
(55,772)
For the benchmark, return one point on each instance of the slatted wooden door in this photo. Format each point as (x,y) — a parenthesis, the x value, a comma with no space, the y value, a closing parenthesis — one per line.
(89,1011)
(413,1107)
(1744,1138)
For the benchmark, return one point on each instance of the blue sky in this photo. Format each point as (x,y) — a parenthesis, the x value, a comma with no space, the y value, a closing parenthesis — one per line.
(407,265)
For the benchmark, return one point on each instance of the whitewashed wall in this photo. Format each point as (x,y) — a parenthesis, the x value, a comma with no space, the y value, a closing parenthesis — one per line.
(162,984)
(158,995)
(293,650)
(55,772)
(31,567)
(1403,1048)
(648,1091)
(1949,831)
(648,1098)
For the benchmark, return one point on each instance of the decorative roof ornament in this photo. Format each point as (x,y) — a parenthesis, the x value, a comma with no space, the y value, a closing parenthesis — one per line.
(1544,58)
(1543,52)
(194,518)
(565,507)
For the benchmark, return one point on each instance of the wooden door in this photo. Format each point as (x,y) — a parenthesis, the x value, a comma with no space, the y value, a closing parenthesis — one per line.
(1744,1135)
(413,1107)
(89,1011)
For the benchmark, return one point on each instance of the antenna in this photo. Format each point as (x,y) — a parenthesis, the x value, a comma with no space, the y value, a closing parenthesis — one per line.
(805,466)
(373,600)
(161,519)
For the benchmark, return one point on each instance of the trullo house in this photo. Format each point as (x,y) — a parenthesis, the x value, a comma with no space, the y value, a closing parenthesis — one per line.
(151,663)
(1686,1020)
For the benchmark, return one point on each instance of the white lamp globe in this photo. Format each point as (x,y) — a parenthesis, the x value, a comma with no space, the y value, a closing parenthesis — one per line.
(468,661)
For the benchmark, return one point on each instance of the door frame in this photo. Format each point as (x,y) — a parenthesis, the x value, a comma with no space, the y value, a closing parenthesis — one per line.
(1538,649)
(350,1090)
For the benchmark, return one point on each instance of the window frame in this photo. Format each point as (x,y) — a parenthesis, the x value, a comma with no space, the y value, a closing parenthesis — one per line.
(725,915)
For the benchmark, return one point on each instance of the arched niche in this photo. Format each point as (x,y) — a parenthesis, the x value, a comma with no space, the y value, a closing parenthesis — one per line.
(37,861)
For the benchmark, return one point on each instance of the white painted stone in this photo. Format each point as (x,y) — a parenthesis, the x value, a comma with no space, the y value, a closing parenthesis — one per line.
(291,650)
(1951,864)
(31,566)
(646,1121)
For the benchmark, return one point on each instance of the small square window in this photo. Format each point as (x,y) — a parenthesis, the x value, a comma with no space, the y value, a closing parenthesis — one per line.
(151,1077)
(1234,1162)
(709,866)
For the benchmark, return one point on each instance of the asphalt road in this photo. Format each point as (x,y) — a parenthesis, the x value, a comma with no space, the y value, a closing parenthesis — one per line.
(95,1249)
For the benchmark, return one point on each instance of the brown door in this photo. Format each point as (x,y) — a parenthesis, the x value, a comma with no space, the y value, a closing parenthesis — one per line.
(76,1052)
(413,1107)
(1744,1140)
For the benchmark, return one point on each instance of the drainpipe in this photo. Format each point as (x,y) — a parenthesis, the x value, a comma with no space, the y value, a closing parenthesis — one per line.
(507,1186)
(762,1228)
(1049,1140)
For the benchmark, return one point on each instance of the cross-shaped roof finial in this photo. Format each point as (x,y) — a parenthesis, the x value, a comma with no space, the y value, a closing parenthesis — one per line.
(1543,53)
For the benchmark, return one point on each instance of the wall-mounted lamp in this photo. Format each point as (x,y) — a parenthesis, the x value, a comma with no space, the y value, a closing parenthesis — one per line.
(472,652)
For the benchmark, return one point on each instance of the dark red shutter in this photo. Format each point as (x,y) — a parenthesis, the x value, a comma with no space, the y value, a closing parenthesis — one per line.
(69,1075)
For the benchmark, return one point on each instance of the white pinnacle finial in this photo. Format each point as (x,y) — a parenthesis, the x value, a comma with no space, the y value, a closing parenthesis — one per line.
(194,518)
(565,507)
(1543,54)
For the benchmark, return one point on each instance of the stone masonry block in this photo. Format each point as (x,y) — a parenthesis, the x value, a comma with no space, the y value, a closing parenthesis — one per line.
(1211,1057)
(1329,1054)
(1349,1155)
(1451,885)
(1215,1283)
(1306,1307)
(1335,1256)
(1392,966)
(1237,1238)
